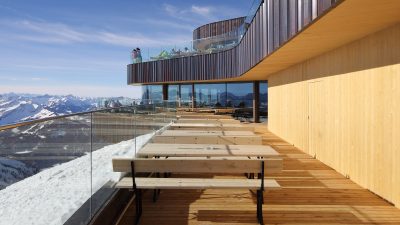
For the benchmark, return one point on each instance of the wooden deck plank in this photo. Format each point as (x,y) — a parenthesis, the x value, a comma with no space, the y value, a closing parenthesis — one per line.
(312,193)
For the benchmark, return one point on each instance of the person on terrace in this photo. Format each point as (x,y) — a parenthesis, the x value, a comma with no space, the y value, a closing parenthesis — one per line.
(139,55)
(134,56)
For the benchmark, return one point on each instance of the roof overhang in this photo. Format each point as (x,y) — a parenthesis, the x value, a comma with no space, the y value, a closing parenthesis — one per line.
(349,21)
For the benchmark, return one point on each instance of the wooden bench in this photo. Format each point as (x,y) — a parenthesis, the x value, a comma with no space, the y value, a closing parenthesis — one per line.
(210,127)
(194,166)
(213,121)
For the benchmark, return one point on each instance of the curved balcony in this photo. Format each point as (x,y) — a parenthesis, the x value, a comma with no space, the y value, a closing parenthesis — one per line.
(218,28)
(273,24)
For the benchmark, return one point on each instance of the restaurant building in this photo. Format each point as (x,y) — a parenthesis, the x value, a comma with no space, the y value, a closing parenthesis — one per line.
(326,71)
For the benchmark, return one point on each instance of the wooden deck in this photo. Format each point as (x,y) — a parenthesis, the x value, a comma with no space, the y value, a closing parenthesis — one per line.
(312,193)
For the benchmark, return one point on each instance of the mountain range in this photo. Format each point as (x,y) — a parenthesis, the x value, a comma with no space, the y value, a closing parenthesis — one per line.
(23,107)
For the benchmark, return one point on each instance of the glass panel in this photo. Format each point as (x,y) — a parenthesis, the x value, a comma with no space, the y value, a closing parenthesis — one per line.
(60,171)
(145,92)
(210,95)
(186,95)
(113,133)
(240,95)
(263,100)
(155,93)
(46,168)
(173,92)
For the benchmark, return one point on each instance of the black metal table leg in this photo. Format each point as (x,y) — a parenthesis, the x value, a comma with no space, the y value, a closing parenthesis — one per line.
(138,200)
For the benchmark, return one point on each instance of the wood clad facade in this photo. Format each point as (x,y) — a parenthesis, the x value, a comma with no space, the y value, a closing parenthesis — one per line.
(274,24)
(217,28)
(343,107)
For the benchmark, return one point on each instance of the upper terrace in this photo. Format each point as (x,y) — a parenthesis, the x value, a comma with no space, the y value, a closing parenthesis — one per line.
(227,49)
(278,35)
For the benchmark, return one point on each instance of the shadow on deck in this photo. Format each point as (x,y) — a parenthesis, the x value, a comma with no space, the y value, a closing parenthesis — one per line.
(312,193)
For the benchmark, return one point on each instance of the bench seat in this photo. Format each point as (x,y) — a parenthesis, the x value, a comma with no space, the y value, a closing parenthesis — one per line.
(196,183)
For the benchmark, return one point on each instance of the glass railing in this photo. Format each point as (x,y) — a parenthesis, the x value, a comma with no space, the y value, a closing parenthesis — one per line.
(200,46)
(50,169)
(194,47)
(252,11)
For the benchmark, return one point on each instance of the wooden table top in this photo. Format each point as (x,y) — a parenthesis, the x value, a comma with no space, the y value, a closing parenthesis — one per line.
(199,150)
(205,133)
(205,125)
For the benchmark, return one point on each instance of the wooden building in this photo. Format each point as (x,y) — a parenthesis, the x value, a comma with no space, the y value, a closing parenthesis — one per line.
(333,72)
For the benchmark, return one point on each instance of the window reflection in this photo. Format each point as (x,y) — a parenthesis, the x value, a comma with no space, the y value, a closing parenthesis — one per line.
(210,95)
(152,93)
(186,94)
(263,99)
(240,95)
(214,95)
(173,92)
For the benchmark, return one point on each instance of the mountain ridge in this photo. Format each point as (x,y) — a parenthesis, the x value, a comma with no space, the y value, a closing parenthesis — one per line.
(16,108)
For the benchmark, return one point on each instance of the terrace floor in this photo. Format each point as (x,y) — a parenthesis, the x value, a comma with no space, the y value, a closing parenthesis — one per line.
(312,193)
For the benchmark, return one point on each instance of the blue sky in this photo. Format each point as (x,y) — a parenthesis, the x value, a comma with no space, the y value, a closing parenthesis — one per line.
(82,47)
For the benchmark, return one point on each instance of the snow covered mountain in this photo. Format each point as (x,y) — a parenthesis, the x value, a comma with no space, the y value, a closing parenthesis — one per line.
(12,171)
(21,107)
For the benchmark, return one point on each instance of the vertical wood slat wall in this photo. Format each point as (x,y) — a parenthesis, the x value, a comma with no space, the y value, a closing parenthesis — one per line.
(343,108)
(274,24)
(217,28)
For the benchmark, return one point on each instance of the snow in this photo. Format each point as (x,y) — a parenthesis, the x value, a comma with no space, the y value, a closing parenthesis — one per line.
(23,152)
(12,171)
(15,130)
(51,196)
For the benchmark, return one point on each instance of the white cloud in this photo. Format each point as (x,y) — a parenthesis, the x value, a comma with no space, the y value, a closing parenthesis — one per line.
(201,14)
(58,33)
(128,41)
(13,78)
(205,11)
(38,79)
(170,24)
(54,29)
(170,9)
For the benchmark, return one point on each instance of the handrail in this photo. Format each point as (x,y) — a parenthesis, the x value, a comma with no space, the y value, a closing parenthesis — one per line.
(29,122)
